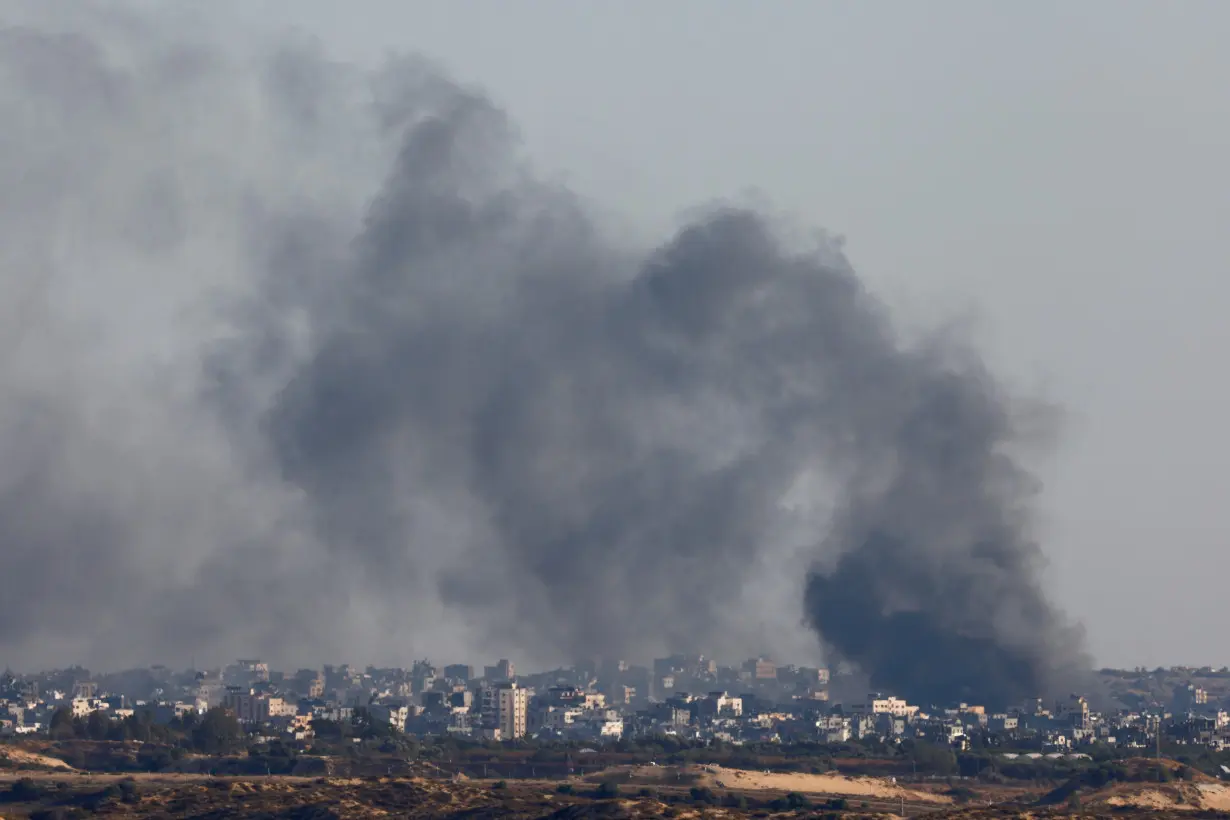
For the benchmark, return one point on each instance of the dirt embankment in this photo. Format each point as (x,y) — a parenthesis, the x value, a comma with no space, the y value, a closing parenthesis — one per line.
(12,758)
(835,784)
(282,798)
(744,780)
(1170,797)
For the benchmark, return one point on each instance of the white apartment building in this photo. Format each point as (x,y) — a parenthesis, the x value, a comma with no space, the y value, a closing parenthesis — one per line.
(395,714)
(879,705)
(507,704)
(249,707)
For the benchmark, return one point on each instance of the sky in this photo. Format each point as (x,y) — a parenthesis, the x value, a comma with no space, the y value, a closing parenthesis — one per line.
(1055,171)
(1051,173)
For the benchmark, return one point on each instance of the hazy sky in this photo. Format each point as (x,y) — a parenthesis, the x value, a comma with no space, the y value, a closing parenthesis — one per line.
(1058,169)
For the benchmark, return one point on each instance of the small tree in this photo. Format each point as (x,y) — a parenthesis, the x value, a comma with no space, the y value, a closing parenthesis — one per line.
(219,732)
(26,790)
(794,800)
(61,727)
(935,759)
(703,794)
(128,791)
(97,725)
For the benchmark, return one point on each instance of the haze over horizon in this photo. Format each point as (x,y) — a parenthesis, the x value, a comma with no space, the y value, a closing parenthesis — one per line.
(1016,194)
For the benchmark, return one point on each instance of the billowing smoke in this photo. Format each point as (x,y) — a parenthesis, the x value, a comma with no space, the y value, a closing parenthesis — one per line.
(935,591)
(304,360)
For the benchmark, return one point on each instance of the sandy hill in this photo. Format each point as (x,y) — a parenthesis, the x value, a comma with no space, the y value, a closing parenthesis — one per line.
(750,782)
(13,758)
(1206,796)
(1143,784)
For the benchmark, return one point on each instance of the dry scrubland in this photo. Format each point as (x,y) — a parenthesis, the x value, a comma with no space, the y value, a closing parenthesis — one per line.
(40,787)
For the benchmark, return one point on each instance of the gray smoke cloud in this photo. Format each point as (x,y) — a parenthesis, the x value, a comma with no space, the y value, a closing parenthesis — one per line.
(306,360)
(935,591)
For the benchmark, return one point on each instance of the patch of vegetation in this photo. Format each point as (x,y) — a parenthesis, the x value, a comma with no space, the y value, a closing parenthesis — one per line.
(791,802)
(24,790)
(703,794)
(735,801)
(960,794)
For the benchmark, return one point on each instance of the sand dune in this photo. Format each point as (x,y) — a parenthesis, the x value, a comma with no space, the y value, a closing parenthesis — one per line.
(1215,796)
(12,757)
(1201,796)
(718,777)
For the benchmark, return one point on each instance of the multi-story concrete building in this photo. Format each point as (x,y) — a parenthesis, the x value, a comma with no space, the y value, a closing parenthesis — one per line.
(1188,697)
(505,707)
(720,704)
(1003,723)
(502,671)
(459,671)
(760,669)
(877,704)
(251,707)
(393,713)
(247,671)
(82,707)
(309,683)
(1074,712)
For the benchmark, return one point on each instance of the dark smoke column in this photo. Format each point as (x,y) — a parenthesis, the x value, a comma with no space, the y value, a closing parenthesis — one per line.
(589,447)
(383,381)
(936,591)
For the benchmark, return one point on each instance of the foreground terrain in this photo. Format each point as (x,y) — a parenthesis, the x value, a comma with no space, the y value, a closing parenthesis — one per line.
(38,782)
(38,791)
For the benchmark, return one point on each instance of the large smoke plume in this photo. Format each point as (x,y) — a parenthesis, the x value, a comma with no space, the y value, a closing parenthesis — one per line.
(302,360)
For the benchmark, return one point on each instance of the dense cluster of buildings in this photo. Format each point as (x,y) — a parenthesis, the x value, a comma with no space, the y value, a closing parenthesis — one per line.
(684,697)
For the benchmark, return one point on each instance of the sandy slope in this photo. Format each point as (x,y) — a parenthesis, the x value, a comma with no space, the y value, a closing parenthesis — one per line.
(1215,796)
(11,757)
(1202,796)
(1146,799)
(835,784)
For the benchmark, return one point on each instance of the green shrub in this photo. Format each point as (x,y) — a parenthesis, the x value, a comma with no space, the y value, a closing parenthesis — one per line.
(703,794)
(128,791)
(26,790)
(794,800)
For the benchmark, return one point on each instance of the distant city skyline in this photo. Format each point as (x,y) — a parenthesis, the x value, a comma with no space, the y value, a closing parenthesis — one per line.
(481,664)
